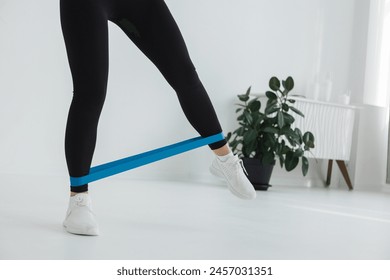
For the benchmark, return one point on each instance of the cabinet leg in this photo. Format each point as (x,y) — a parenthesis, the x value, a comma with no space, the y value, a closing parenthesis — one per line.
(329,176)
(344,171)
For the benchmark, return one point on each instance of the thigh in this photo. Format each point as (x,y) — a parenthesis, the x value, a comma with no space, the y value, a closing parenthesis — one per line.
(151,26)
(85,31)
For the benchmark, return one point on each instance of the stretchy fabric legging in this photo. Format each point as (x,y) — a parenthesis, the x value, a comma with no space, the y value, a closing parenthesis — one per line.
(151,27)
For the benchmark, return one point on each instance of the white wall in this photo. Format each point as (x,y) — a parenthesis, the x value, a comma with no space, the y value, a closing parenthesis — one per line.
(370,151)
(233,44)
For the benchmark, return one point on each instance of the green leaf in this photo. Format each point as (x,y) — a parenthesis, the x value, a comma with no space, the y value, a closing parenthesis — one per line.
(271,121)
(250,143)
(257,118)
(239,131)
(251,147)
(250,135)
(281,121)
(244,151)
(288,118)
(292,137)
(298,153)
(308,136)
(285,107)
(271,95)
(272,109)
(274,84)
(305,166)
(285,150)
(228,136)
(238,110)
(297,111)
(291,101)
(248,91)
(278,148)
(271,102)
(233,146)
(271,139)
(291,161)
(268,158)
(234,142)
(308,139)
(289,84)
(291,141)
(299,133)
(254,106)
(243,97)
(294,141)
(288,132)
(248,117)
(284,130)
(270,129)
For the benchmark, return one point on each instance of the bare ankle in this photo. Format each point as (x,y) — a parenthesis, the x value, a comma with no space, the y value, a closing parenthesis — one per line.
(223,151)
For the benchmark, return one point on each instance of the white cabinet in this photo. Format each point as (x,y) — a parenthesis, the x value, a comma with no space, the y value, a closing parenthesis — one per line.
(332,126)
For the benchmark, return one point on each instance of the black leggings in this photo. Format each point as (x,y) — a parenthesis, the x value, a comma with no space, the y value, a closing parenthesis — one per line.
(151,27)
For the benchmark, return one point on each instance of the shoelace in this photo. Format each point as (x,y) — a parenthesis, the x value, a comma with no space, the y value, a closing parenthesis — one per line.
(80,201)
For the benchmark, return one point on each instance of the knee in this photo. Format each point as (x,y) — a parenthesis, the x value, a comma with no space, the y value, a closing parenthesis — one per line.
(89,100)
(184,78)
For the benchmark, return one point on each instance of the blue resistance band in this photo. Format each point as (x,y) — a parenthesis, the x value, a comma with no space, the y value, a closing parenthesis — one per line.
(121,165)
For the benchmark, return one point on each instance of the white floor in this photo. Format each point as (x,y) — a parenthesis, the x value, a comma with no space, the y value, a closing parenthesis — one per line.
(181,220)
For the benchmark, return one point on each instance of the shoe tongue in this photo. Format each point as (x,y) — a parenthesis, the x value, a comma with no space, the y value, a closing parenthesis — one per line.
(81,200)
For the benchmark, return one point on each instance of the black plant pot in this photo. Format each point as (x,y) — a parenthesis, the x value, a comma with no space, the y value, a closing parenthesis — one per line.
(259,174)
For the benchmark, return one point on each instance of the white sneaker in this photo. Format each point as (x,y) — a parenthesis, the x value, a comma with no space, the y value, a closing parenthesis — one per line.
(79,218)
(232,170)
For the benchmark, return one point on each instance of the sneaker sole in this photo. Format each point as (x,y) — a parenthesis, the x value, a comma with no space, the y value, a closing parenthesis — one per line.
(78,231)
(218,173)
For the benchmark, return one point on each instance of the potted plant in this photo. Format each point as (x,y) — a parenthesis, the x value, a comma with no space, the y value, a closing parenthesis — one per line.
(267,135)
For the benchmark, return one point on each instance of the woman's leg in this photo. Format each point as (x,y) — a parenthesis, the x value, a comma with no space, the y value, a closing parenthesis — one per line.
(150,25)
(84,26)
(85,31)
